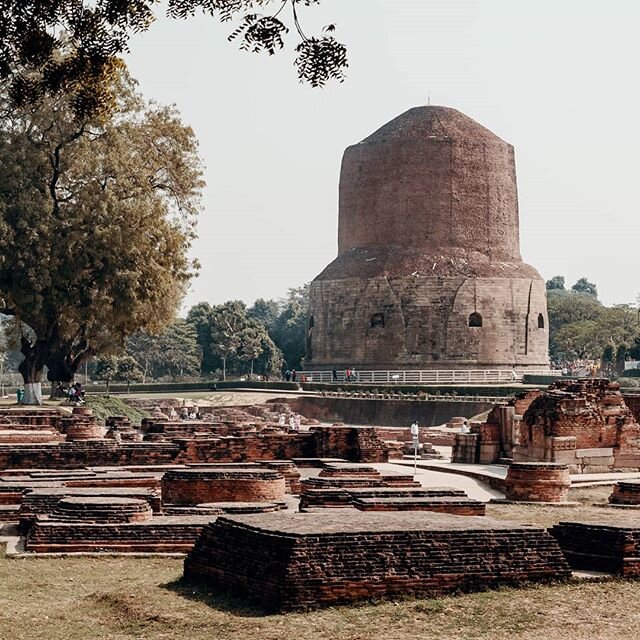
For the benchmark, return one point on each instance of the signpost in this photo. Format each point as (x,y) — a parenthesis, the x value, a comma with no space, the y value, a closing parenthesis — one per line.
(415,434)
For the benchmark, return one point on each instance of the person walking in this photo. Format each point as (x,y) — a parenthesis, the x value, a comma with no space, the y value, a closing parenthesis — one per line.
(334,375)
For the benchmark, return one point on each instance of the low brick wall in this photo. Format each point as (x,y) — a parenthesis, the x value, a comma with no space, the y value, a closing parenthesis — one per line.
(626,492)
(196,486)
(455,506)
(302,561)
(537,482)
(101,509)
(159,535)
(598,547)
(344,497)
(356,444)
(40,502)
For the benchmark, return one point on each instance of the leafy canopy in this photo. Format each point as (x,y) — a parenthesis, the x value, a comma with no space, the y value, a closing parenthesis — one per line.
(96,219)
(72,46)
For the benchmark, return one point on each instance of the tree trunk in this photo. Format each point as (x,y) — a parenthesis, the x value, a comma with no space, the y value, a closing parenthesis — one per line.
(108,385)
(224,368)
(252,367)
(128,385)
(31,370)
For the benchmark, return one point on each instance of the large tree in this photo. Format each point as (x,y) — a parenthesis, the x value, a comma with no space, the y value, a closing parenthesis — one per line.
(96,217)
(72,46)
(290,327)
(586,287)
(227,322)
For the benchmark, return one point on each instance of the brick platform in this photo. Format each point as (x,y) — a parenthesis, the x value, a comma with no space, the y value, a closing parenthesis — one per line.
(163,534)
(626,492)
(454,506)
(43,501)
(197,486)
(101,509)
(290,473)
(537,482)
(344,497)
(243,507)
(299,561)
(611,548)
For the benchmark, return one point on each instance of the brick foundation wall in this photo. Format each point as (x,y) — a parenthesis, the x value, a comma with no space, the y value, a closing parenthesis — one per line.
(302,561)
(193,486)
(610,548)
(162,534)
(627,492)
(537,482)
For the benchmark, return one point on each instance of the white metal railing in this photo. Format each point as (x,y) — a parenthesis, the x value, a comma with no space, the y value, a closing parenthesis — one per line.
(429,376)
(363,395)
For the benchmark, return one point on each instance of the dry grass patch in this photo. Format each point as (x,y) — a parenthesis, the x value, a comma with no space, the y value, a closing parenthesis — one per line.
(123,599)
(588,510)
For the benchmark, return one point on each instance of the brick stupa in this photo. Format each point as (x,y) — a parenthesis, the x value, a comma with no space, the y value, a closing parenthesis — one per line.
(429,273)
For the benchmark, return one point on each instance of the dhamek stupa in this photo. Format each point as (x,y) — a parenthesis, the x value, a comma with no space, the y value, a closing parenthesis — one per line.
(429,273)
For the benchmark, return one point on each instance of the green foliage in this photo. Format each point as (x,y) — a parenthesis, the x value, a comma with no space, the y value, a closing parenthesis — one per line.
(127,370)
(106,406)
(106,367)
(584,286)
(266,312)
(290,328)
(172,354)
(580,327)
(199,318)
(74,46)
(556,283)
(226,323)
(96,219)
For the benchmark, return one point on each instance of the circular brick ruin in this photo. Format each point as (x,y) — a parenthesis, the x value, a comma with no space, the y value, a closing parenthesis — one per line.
(627,492)
(82,425)
(102,510)
(537,482)
(199,486)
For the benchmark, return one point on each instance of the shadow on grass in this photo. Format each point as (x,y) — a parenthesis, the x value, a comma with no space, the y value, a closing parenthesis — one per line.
(204,592)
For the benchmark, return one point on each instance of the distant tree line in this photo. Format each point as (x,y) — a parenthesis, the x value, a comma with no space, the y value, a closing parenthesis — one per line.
(582,328)
(216,341)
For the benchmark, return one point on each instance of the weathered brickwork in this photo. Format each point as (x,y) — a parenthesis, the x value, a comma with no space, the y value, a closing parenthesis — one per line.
(428,236)
(341,496)
(585,424)
(300,561)
(537,482)
(626,492)
(598,547)
(197,486)
(357,444)
(164,534)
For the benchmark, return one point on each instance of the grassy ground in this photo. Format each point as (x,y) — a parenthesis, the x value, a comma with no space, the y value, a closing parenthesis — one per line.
(123,599)
(105,406)
(545,516)
(126,599)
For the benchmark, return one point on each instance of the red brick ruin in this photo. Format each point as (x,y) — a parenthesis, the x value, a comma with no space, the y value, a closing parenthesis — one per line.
(583,424)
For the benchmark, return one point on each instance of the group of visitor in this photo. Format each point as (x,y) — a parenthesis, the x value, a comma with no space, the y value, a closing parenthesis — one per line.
(294,421)
(74,393)
(350,375)
(190,414)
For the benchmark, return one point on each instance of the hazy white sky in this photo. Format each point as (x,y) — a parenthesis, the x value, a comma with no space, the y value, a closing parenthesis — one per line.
(558,79)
